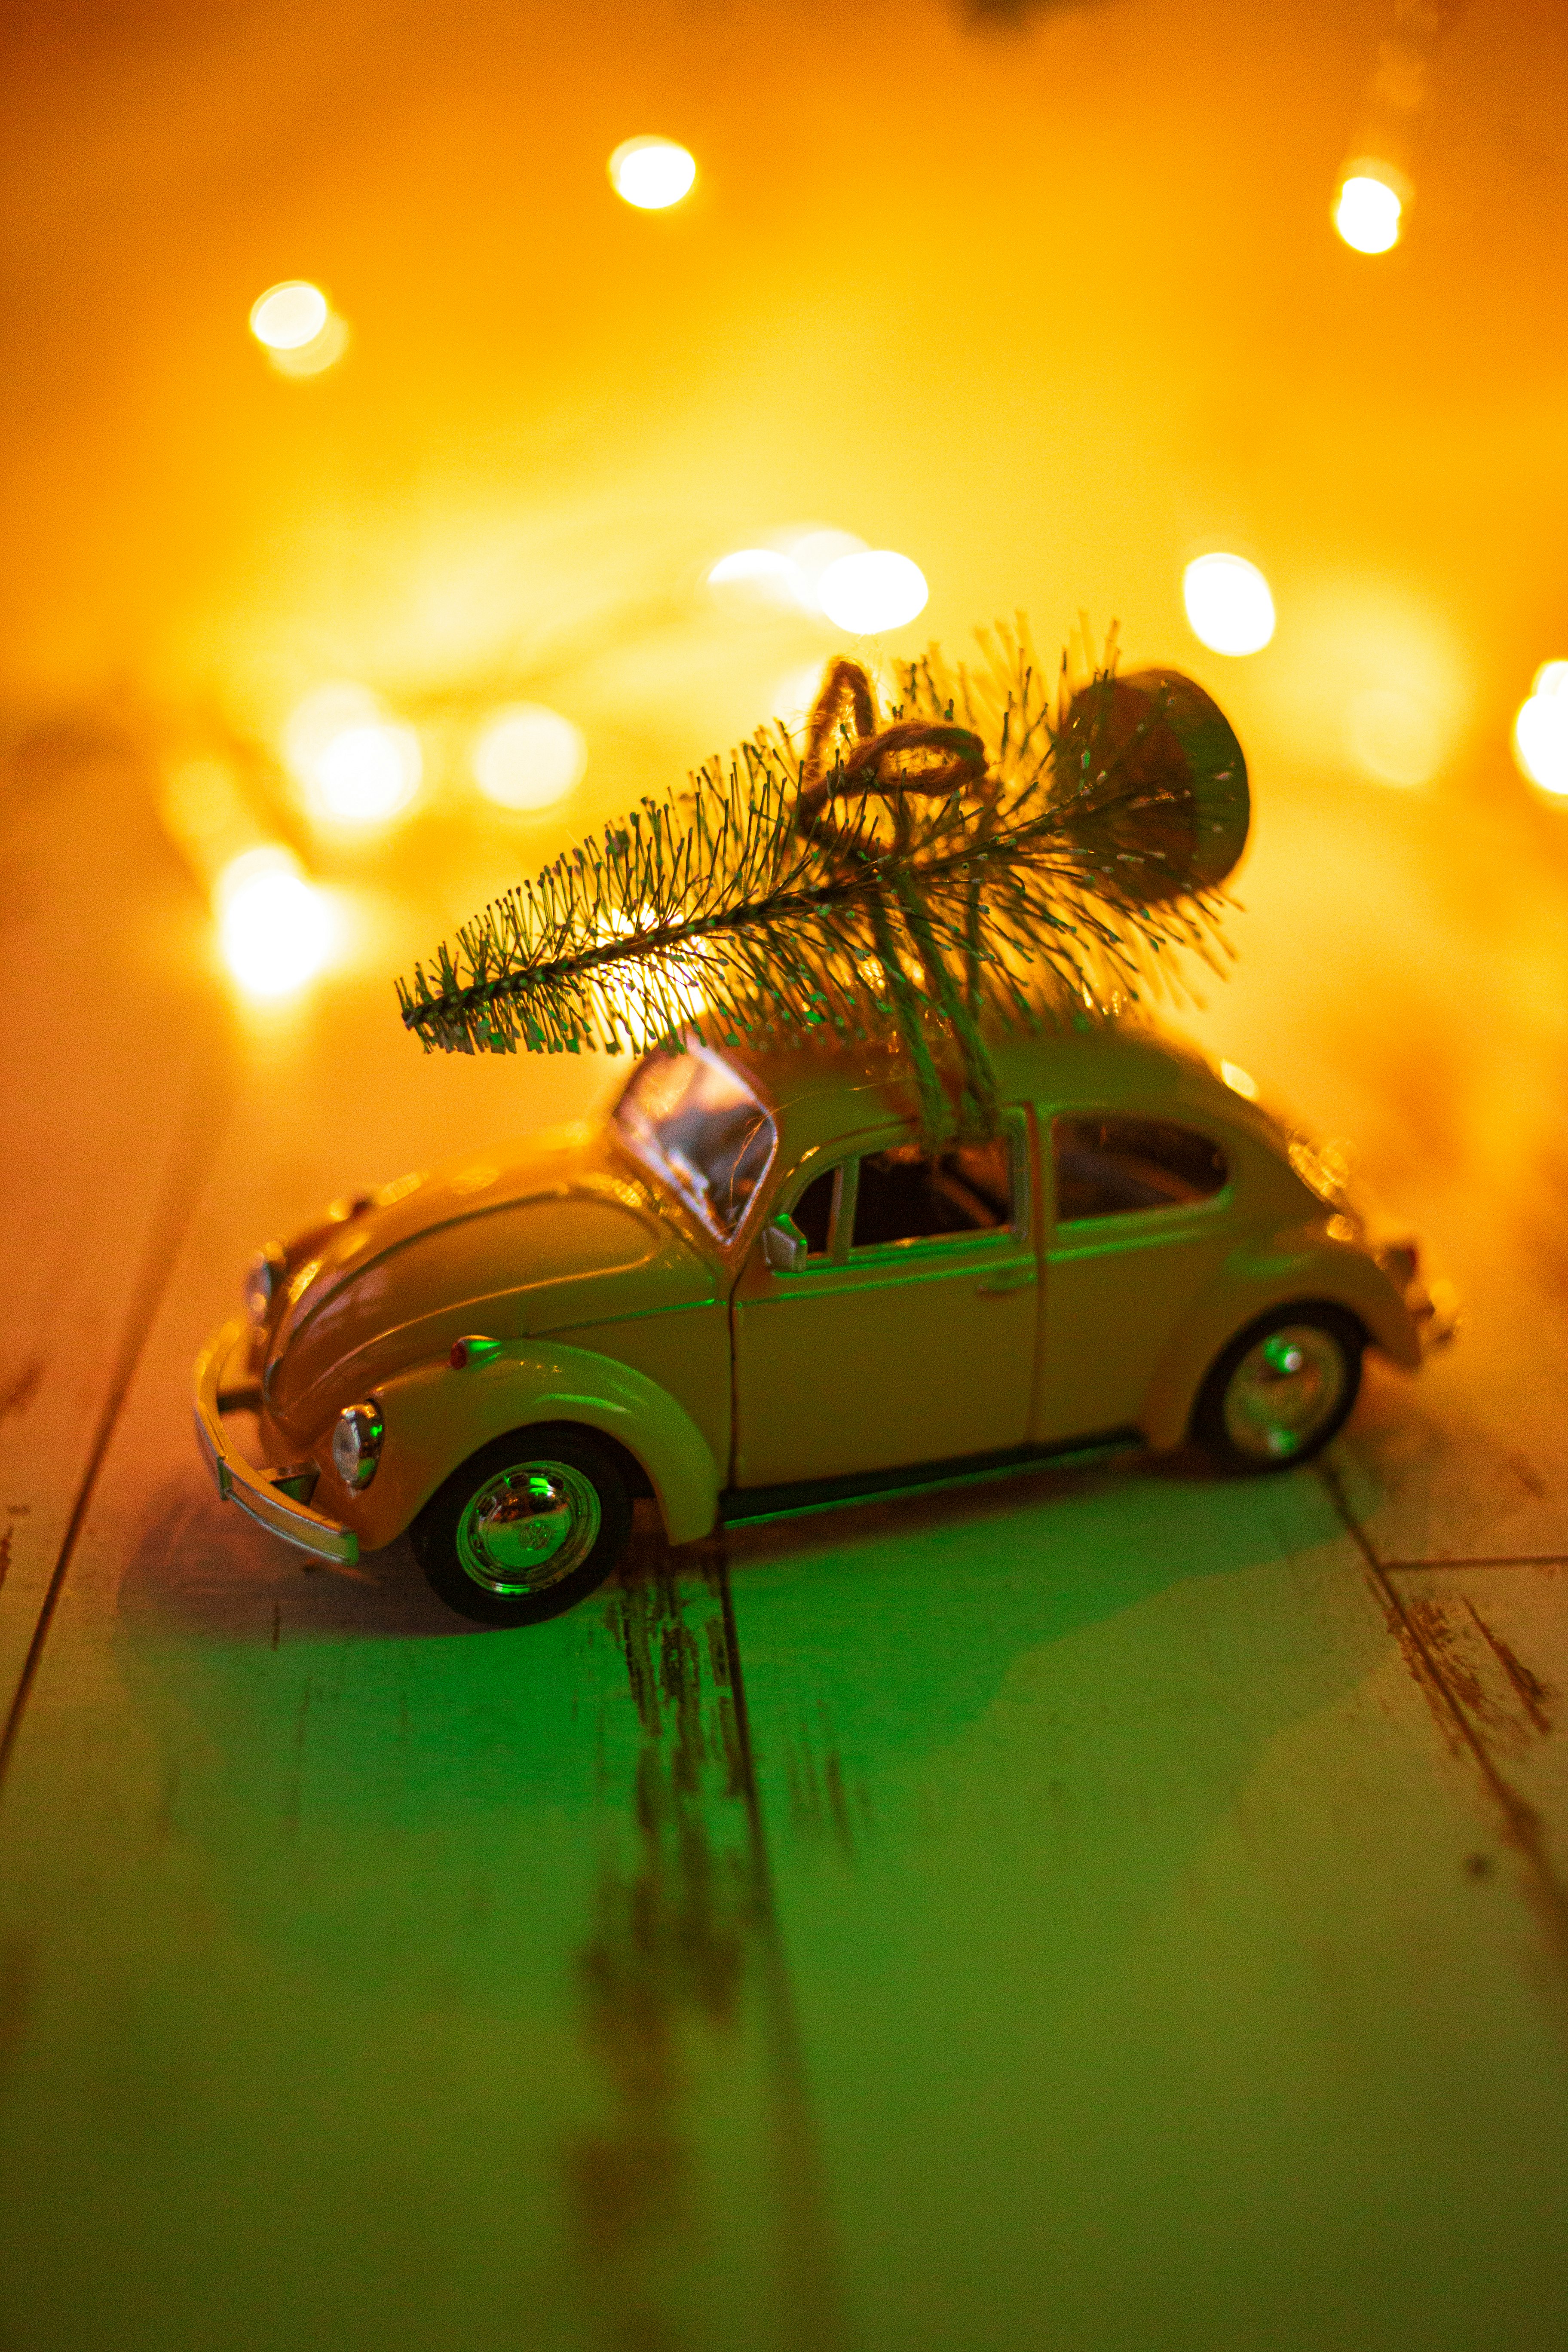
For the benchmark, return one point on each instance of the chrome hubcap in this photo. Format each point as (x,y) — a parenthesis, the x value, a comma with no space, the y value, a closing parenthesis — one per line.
(528,1528)
(1283,1391)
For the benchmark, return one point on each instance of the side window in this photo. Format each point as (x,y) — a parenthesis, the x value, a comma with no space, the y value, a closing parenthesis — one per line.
(813,1212)
(1114,1167)
(907,1194)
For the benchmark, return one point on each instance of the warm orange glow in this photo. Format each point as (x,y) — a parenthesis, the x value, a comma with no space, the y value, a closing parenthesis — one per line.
(275,929)
(652,173)
(319,354)
(287,316)
(367,774)
(812,547)
(794,696)
(877,589)
(529,757)
(1229,606)
(1541,731)
(785,574)
(1367,213)
(759,579)
(357,766)
(1395,736)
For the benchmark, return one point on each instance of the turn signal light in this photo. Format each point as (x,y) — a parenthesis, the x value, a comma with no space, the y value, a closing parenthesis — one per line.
(474,1350)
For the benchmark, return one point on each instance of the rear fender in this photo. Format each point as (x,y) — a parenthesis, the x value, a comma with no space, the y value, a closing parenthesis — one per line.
(1290,1270)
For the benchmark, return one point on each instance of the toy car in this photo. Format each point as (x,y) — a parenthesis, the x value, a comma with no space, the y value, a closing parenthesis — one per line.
(751,1289)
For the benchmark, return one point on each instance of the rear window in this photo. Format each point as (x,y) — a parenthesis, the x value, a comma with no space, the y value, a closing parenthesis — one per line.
(1116,1167)
(700,1129)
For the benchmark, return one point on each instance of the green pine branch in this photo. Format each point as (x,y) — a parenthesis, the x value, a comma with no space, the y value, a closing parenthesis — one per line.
(993,852)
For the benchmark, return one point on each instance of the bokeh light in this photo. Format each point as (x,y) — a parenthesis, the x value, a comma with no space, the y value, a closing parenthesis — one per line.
(1395,736)
(287,316)
(875,590)
(811,549)
(275,929)
(316,356)
(1367,213)
(529,757)
(652,173)
(1228,603)
(357,767)
(367,774)
(758,579)
(784,574)
(1541,731)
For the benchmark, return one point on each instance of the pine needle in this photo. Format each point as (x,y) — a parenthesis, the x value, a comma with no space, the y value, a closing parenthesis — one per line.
(990,853)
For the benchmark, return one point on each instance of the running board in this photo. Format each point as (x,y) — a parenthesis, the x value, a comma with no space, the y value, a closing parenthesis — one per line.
(750,1507)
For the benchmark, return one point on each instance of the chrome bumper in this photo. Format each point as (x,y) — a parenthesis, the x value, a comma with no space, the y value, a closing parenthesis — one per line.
(257,1491)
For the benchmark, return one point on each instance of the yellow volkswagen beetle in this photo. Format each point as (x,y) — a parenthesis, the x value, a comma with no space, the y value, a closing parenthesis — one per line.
(751,1289)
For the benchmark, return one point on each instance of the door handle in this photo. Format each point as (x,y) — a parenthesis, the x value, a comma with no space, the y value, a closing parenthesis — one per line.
(1011,1277)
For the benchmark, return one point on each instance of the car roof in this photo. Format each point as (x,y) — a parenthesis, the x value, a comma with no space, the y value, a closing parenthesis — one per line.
(822,1089)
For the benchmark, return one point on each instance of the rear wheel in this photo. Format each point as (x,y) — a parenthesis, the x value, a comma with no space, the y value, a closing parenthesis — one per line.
(1281,1389)
(530,1525)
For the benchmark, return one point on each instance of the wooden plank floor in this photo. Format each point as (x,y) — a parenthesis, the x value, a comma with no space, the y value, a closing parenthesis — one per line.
(1111,1910)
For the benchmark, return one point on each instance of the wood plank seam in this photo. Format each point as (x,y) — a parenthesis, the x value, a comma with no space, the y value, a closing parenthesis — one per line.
(1521,1825)
(1521,1559)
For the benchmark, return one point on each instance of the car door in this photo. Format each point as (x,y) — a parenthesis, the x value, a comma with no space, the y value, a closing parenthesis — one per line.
(1141,1216)
(907,1333)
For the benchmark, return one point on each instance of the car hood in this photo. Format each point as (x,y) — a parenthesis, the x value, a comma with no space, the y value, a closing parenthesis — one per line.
(542,1235)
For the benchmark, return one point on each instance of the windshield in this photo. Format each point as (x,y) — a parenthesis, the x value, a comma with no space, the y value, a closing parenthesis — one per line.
(702,1129)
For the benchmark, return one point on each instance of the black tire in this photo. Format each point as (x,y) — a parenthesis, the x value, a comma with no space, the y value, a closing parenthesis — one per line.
(1234,1421)
(477,1536)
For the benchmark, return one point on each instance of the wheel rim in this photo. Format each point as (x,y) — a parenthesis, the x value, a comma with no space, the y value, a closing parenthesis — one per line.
(1284,1392)
(528,1528)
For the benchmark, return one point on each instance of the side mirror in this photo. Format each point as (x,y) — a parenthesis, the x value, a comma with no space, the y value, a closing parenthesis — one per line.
(783,1245)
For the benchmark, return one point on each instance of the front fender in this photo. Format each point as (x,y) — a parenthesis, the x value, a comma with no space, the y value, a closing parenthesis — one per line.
(1293,1268)
(435,1417)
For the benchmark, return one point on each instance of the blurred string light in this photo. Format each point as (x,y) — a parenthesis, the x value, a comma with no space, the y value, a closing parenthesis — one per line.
(297,327)
(759,579)
(1369,208)
(316,356)
(783,575)
(875,590)
(288,316)
(1228,603)
(356,766)
(652,173)
(277,930)
(1540,731)
(529,757)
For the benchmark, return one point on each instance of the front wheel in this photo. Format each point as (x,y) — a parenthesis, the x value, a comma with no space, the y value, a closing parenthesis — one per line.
(1281,1389)
(530,1525)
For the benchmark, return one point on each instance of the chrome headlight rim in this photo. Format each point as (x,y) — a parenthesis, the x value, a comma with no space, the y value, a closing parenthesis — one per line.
(356,1440)
(264,1279)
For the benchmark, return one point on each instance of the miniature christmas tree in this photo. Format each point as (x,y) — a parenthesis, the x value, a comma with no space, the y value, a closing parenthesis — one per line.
(993,851)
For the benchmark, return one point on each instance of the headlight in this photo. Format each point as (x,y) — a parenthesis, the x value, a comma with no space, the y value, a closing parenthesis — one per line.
(356,1443)
(262,1278)
(1323,1169)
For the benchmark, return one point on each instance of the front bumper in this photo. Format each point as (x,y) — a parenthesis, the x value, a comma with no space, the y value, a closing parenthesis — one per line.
(1437,1313)
(257,1492)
